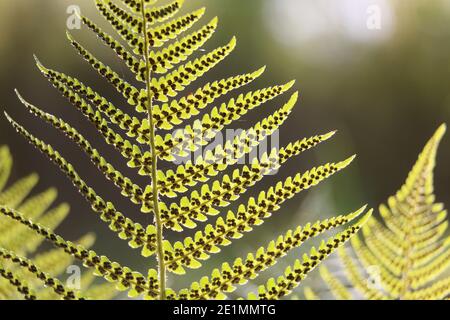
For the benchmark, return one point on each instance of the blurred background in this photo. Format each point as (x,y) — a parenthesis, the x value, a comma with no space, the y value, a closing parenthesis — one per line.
(376,70)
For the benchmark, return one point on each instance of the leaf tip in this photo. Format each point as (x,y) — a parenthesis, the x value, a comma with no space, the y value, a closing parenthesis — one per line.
(8,117)
(328,135)
(366,217)
(39,64)
(214,21)
(232,43)
(260,71)
(200,12)
(289,85)
(69,36)
(22,99)
(440,131)
(346,162)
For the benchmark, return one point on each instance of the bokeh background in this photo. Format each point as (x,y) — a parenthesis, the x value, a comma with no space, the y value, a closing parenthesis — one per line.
(386,89)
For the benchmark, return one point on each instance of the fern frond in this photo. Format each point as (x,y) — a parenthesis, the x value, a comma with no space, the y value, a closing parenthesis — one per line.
(438,291)
(207,242)
(134,64)
(111,271)
(336,286)
(202,132)
(310,294)
(136,5)
(127,149)
(21,286)
(159,35)
(123,27)
(38,204)
(52,219)
(16,234)
(407,247)
(128,91)
(5,166)
(384,236)
(225,279)
(213,162)
(175,112)
(125,228)
(18,191)
(358,281)
(390,283)
(36,278)
(126,122)
(128,20)
(15,194)
(176,81)
(48,280)
(293,275)
(428,254)
(221,157)
(56,261)
(204,243)
(172,182)
(128,188)
(162,13)
(422,275)
(160,53)
(221,193)
(128,25)
(152,15)
(164,60)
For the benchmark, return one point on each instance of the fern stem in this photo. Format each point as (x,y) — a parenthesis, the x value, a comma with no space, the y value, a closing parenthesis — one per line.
(158,222)
(406,281)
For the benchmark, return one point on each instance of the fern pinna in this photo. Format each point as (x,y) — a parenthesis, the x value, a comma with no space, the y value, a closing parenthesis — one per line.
(408,254)
(158,56)
(36,278)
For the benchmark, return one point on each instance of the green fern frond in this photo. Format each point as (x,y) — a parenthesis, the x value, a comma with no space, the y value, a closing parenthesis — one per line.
(18,191)
(124,227)
(293,275)
(202,132)
(208,241)
(125,278)
(20,285)
(337,287)
(130,151)
(126,56)
(137,5)
(221,157)
(408,247)
(225,280)
(359,281)
(310,294)
(48,280)
(21,276)
(229,189)
(128,188)
(5,168)
(161,55)
(169,115)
